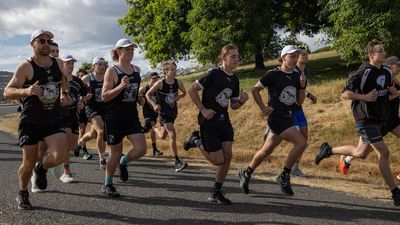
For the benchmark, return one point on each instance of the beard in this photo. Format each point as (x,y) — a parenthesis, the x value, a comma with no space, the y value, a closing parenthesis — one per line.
(44,53)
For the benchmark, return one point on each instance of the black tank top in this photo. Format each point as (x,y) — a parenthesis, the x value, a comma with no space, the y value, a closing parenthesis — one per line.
(147,105)
(45,108)
(95,87)
(124,105)
(76,89)
(167,97)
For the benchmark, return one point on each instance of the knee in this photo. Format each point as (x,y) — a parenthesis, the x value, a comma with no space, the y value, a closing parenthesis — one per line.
(217,162)
(142,151)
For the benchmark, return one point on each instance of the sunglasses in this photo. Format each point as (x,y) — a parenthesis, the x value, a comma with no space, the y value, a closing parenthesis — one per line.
(43,41)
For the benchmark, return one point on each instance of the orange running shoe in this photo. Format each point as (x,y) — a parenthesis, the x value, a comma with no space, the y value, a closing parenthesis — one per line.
(343,166)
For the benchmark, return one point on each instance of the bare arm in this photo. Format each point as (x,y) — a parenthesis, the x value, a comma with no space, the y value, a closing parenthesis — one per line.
(152,91)
(141,97)
(182,89)
(370,97)
(109,92)
(257,98)
(194,95)
(14,89)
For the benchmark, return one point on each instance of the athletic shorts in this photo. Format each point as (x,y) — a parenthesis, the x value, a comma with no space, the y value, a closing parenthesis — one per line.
(280,121)
(299,118)
(390,125)
(150,114)
(31,134)
(72,123)
(370,133)
(214,134)
(116,130)
(166,119)
(82,117)
(92,112)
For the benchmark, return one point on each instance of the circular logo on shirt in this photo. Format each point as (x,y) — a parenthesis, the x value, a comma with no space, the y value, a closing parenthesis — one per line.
(288,95)
(381,81)
(223,96)
(49,93)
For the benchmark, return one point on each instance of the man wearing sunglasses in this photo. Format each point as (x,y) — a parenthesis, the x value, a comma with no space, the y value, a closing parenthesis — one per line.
(40,84)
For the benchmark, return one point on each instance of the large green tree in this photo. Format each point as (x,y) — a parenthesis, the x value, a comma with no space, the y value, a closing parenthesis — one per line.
(352,23)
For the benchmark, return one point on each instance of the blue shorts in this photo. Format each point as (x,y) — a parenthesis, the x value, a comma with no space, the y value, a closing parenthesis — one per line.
(299,119)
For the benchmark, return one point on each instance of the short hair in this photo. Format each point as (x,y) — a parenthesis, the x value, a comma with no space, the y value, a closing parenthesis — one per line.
(370,48)
(54,44)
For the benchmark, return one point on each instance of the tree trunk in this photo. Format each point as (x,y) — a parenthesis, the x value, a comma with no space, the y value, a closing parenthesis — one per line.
(259,60)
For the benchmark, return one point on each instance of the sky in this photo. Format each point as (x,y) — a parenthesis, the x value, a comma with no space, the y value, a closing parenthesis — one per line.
(82,28)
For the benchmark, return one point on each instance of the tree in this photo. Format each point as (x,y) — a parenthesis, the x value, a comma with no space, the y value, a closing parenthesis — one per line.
(158,26)
(86,66)
(353,23)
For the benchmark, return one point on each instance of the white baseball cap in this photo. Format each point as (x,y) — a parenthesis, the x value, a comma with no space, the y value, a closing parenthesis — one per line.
(122,43)
(69,58)
(37,33)
(98,59)
(288,49)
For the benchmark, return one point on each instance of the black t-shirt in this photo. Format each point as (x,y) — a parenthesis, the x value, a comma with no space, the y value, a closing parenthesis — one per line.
(283,89)
(124,105)
(76,89)
(167,98)
(45,108)
(363,81)
(394,104)
(218,88)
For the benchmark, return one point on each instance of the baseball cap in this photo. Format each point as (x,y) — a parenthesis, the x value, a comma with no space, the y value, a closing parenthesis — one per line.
(288,49)
(154,74)
(98,59)
(69,58)
(37,33)
(392,60)
(122,43)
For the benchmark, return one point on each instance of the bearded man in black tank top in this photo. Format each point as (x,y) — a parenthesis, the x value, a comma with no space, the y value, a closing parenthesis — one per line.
(40,84)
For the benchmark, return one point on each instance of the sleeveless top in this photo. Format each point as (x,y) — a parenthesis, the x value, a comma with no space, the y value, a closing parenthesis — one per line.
(95,87)
(167,98)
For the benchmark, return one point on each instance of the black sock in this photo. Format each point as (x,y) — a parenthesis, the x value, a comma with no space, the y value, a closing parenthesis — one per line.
(177,159)
(41,168)
(249,170)
(395,191)
(22,192)
(217,186)
(286,170)
(154,147)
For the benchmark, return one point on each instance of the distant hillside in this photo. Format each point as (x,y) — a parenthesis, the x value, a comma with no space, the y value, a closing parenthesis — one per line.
(5,76)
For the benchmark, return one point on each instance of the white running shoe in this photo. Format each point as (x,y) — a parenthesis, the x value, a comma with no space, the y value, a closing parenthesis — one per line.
(34,188)
(67,178)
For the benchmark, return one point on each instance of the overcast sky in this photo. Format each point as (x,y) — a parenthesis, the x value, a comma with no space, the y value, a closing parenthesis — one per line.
(82,28)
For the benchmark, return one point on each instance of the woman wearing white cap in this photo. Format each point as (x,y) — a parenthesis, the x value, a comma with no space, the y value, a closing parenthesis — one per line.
(120,94)
(286,88)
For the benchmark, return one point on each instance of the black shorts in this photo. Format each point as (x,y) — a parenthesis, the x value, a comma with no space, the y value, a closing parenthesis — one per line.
(116,130)
(31,134)
(280,121)
(370,133)
(72,123)
(82,117)
(167,119)
(147,113)
(390,125)
(92,112)
(213,135)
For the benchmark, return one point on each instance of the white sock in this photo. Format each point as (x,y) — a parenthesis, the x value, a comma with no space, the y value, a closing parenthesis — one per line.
(347,159)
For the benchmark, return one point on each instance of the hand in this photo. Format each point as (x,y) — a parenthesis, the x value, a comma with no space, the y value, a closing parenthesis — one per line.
(243,97)
(124,81)
(207,113)
(34,89)
(371,96)
(393,90)
(178,97)
(312,98)
(89,96)
(303,80)
(156,108)
(266,111)
(65,100)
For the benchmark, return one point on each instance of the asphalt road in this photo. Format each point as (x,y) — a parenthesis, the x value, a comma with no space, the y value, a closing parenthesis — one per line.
(156,194)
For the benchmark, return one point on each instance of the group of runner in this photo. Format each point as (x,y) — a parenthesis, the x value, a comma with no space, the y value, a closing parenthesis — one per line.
(56,106)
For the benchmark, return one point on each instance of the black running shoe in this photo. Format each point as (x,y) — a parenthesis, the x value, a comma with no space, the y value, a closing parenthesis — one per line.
(157,153)
(41,179)
(189,143)
(396,198)
(123,172)
(218,197)
(86,154)
(244,180)
(23,201)
(103,164)
(110,191)
(284,184)
(77,150)
(179,166)
(324,152)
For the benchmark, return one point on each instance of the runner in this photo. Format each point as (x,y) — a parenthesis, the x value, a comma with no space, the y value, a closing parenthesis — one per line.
(40,85)
(167,92)
(77,91)
(368,89)
(218,86)
(95,108)
(286,88)
(120,94)
(149,115)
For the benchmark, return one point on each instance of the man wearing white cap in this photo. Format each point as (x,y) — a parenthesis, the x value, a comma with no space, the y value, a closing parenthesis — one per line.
(286,88)
(95,108)
(40,84)
(120,94)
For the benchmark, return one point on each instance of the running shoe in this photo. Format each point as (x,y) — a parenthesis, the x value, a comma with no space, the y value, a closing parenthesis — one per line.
(41,179)
(103,164)
(86,154)
(157,153)
(67,178)
(244,180)
(218,197)
(23,201)
(179,165)
(324,152)
(284,184)
(110,191)
(123,172)
(343,166)
(34,188)
(396,198)
(298,173)
(189,142)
